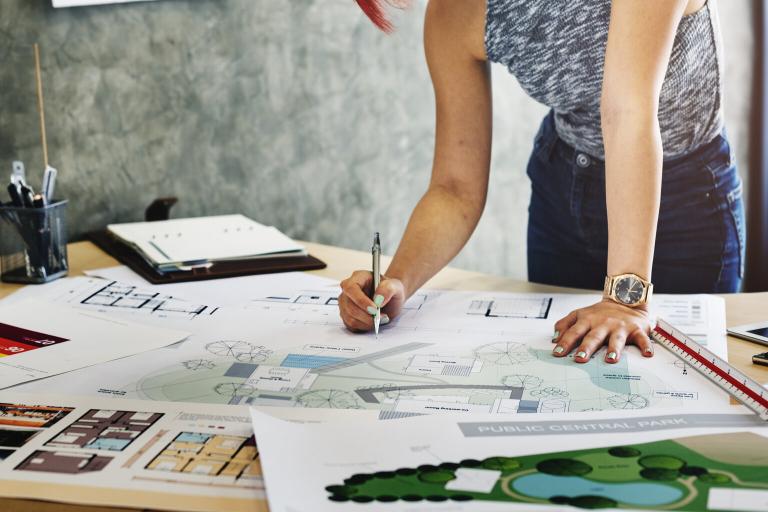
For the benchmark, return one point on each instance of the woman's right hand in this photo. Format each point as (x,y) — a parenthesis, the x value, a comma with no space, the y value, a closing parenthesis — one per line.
(356,306)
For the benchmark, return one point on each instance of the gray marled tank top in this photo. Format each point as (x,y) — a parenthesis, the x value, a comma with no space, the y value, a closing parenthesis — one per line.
(556,50)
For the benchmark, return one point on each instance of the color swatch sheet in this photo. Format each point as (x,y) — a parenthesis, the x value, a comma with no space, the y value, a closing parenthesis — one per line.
(39,339)
(112,452)
(690,461)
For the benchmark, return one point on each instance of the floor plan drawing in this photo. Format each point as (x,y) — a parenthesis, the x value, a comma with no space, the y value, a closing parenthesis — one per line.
(537,308)
(328,298)
(104,430)
(114,295)
(47,461)
(209,454)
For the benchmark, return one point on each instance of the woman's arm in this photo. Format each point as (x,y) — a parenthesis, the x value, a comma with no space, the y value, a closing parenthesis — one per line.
(640,40)
(448,213)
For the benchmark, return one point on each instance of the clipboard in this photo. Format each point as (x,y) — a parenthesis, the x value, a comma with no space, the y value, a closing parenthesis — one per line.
(218,270)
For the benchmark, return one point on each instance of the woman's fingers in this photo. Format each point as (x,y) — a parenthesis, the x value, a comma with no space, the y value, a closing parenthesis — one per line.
(354,318)
(643,342)
(384,293)
(354,288)
(571,338)
(615,345)
(563,325)
(588,329)
(592,341)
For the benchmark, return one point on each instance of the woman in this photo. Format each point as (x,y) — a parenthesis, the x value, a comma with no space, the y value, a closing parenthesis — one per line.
(632,159)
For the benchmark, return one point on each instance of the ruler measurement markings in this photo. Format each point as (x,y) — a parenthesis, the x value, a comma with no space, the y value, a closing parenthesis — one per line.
(717,370)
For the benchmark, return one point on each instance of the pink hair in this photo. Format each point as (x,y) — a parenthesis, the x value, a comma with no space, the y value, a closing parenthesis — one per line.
(374,9)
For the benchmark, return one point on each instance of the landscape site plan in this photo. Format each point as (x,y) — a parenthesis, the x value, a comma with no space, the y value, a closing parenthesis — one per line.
(614,460)
(450,352)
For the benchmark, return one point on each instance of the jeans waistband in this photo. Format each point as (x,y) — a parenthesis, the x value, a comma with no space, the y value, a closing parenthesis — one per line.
(712,155)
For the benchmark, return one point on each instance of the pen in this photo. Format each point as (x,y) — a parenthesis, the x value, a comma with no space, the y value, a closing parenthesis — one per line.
(376,253)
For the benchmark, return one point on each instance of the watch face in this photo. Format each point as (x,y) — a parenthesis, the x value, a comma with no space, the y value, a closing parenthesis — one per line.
(629,290)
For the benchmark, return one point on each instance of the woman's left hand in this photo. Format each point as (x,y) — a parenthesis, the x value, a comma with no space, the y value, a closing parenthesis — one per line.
(607,321)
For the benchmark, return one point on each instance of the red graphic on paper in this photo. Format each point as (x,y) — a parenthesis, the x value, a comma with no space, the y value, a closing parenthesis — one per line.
(15,340)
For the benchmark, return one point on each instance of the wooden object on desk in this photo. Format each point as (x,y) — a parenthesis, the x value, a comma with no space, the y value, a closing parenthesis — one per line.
(741,308)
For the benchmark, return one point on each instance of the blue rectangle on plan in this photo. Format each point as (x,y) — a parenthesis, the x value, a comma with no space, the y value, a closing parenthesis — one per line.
(241,370)
(309,361)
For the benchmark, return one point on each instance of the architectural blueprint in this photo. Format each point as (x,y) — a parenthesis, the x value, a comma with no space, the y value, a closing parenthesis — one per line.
(101,451)
(228,292)
(449,352)
(39,339)
(691,461)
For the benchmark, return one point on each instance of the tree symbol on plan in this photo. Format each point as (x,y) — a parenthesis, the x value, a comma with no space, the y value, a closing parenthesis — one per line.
(504,353)
(242,351)
(550,391)
(199,364)
(630,401)
(233,389)
(328,399)
(522,381)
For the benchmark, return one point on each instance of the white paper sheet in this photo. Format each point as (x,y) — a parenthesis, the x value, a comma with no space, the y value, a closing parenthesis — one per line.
(39,339)
(352,461)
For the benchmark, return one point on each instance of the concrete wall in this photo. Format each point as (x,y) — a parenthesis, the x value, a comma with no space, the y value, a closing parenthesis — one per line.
(296,113)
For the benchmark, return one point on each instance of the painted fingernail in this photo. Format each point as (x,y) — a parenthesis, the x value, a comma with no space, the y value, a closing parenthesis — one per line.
(559,350)
(611,356)
(384,319)
(371,310)
(555,336)
(581,354)
(378,300)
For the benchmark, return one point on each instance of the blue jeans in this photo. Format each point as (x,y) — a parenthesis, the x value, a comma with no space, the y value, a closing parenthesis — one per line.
(700,234)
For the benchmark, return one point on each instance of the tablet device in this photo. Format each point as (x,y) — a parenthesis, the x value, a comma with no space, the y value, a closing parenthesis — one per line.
(757,333)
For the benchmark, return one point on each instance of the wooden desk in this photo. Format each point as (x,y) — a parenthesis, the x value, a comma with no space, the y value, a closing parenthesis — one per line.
(740,309)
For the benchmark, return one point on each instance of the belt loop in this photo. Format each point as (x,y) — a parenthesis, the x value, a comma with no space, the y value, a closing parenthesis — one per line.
(549,137)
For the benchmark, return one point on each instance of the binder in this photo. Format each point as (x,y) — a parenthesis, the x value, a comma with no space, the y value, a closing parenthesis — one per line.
(217,270)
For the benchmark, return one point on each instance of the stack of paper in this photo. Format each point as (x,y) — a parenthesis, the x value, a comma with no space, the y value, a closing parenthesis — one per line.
(181,244)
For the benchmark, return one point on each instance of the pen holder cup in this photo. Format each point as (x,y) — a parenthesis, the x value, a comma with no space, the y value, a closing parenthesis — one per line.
(33,243)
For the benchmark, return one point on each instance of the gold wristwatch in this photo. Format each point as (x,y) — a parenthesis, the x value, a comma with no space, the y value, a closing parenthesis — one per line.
(628,289)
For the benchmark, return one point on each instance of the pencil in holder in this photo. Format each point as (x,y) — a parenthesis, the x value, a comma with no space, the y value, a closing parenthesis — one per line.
(33,243)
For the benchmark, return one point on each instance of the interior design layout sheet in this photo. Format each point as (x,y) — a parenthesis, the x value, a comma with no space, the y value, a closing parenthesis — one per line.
(101,451)
(40,339)
(690,461)
(450,352)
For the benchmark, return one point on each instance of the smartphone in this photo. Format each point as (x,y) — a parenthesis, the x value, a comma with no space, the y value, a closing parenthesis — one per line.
(756,333)
(761,359)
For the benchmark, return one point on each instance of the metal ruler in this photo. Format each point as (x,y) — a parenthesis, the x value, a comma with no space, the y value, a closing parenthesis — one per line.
(747,391)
